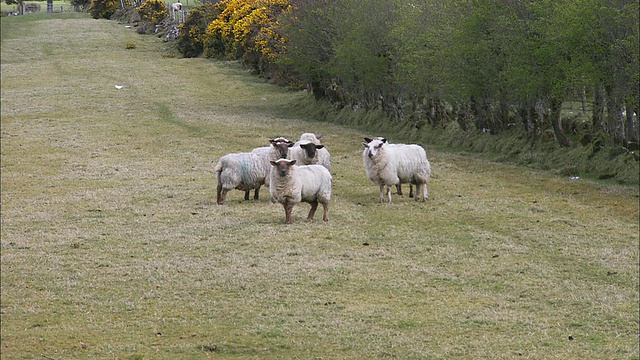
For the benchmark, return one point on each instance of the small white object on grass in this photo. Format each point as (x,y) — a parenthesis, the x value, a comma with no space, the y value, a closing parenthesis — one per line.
(119,87)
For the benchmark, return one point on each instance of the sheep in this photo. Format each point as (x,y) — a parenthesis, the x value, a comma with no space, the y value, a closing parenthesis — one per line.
(309,151)
(392,164)
(278,149)
(242,171)
(290,184)
(398,186)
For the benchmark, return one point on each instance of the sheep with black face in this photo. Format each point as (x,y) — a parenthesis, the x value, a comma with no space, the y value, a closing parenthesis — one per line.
(309,151)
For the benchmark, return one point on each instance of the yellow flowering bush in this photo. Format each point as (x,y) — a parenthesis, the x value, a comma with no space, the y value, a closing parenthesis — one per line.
(247,30)
(153,11)
(103,9)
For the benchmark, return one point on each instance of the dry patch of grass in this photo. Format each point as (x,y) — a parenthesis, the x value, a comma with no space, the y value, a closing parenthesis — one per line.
(113,247)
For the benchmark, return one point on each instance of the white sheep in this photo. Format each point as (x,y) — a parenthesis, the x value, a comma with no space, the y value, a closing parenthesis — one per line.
(398,186)
(290,184)
(278,149)
(392,164)
(241,171)
(309,151)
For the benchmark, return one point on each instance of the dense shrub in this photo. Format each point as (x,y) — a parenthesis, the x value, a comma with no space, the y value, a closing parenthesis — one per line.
(103,9)
(81,4)
(247,30)
(190,40)
(153,11)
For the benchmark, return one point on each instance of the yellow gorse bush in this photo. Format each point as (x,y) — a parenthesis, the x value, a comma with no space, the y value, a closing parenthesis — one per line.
(153,11)
(103,9)
(247,29)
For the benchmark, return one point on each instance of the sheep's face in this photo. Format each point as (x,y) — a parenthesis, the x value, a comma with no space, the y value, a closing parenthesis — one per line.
(283,166)
(373,146)
(282,146)
(311,149)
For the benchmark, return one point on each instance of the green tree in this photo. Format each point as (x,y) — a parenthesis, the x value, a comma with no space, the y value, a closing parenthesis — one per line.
(190,40)
(310,31)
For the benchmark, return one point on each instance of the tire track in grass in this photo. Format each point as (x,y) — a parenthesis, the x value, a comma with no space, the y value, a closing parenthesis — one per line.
(166,115)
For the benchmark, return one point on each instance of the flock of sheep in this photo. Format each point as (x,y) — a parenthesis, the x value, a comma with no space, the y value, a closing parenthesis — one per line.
(301,171)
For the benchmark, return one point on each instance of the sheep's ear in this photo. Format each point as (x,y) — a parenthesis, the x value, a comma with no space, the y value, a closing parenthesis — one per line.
(273,163)
(319,146)
(290,143)
(367,140)
(365,144)
(293,162)
(384,140)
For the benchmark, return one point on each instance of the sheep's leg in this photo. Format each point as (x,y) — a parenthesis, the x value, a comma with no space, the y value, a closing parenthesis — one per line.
(425,193)
(421,192)
(312,211)
(288,207)
(256,193)
(246,194)
(220,195)
(411,190)
(325,212)
(389,194)
(382,193)
(399,189)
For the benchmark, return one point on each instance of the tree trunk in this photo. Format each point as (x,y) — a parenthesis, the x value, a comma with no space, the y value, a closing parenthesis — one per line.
(397,108)
(460,113)
(614,116)
(631,128)
(597,117)
(554,117)
(504,114)
(479,114)
(432,114)
(441,109)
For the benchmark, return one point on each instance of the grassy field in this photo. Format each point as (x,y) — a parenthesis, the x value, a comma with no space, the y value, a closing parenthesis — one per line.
(113,247)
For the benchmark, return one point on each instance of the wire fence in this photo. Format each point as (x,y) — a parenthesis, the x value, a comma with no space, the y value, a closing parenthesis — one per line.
(37,7)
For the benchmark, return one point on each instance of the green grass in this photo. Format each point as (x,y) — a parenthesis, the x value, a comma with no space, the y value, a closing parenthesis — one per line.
(113,247)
